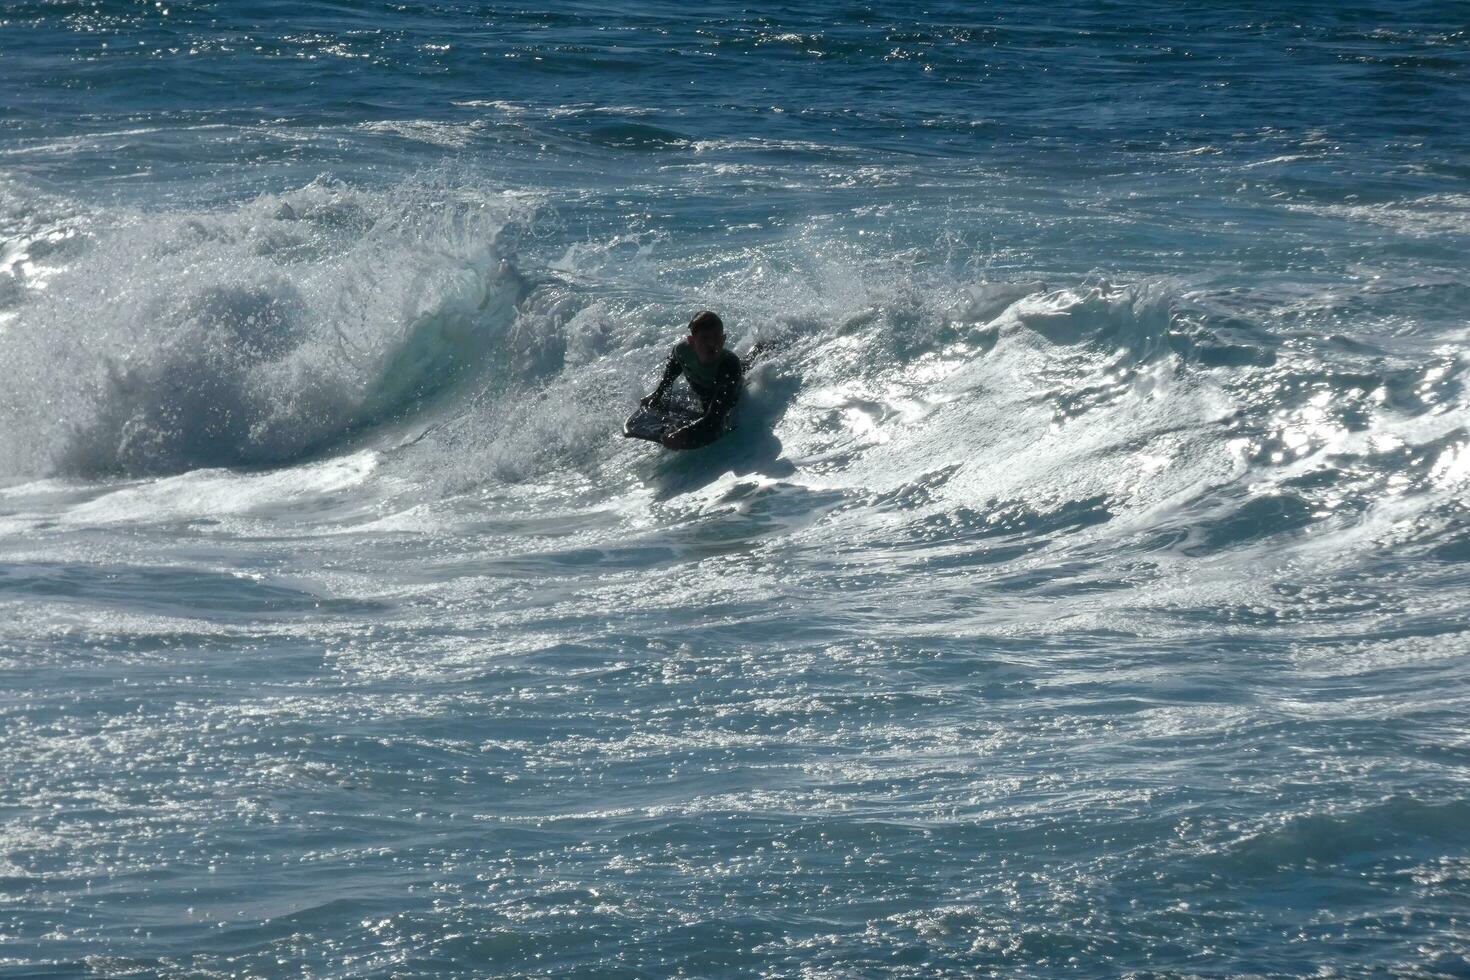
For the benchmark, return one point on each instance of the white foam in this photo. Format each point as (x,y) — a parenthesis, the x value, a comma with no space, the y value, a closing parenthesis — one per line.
(255,334)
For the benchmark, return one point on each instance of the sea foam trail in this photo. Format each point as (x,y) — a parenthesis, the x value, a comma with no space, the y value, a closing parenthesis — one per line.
(258,334)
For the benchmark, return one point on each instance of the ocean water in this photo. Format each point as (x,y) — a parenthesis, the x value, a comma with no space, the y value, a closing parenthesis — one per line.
(1085,591)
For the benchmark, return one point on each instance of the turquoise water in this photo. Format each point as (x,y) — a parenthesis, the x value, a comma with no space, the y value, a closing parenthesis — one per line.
(1082,593)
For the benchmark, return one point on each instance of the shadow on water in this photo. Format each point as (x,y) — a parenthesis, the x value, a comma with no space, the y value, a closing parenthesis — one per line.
(747,451)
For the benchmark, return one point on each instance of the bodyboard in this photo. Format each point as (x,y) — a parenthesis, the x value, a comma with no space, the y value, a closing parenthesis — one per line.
(654,422)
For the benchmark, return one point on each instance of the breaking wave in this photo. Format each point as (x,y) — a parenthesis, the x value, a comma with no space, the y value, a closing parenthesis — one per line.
(258,334)
(950,414)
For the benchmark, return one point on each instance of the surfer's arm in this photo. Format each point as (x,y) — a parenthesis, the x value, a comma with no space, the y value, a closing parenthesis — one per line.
(671,372)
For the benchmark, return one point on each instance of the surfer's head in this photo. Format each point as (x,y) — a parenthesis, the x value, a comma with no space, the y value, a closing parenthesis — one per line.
(707,335)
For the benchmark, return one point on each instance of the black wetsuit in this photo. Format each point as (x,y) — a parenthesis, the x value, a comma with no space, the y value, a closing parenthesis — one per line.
(716,385)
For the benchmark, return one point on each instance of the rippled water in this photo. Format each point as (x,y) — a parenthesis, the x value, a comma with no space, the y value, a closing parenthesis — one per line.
(1082,592)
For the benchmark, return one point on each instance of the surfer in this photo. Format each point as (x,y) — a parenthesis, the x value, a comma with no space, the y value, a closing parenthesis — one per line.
(714,375)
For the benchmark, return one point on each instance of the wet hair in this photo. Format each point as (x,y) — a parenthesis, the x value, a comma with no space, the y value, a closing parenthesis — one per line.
(705,321)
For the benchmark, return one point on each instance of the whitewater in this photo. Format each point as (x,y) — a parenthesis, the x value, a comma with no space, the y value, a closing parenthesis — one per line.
(1083,591)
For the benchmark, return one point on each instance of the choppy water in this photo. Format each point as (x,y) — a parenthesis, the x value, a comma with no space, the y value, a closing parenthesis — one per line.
(1083,593)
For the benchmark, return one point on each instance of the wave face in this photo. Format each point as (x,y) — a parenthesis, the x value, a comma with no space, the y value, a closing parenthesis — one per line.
(1081,592)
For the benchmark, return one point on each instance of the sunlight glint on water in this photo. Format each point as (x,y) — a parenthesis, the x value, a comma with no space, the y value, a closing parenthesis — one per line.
(1080,594)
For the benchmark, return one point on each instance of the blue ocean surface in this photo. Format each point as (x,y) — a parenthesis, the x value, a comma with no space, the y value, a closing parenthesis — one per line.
(1085,590)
